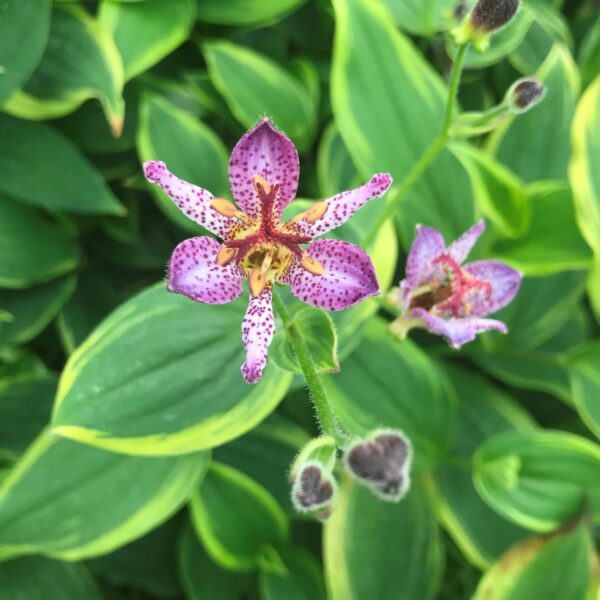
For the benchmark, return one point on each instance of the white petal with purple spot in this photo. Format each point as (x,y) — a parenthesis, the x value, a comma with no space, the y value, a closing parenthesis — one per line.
(258,328)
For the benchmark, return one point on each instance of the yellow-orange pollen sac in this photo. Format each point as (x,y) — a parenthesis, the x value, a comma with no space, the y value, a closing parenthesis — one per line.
(263,247)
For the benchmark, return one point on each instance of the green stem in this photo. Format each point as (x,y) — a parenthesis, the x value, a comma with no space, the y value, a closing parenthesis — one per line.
(327,421)
(427,158)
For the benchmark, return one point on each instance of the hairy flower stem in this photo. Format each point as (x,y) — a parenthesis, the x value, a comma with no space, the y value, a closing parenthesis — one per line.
(328,424)
(427,158)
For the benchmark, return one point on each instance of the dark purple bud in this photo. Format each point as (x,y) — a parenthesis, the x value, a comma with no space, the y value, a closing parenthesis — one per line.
(525,94)
(313,489)
(491,15)
(460,10)
(382,462)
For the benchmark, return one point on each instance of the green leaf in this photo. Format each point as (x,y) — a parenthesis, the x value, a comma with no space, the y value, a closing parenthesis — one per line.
(317,329)
(521,143)
(25,408)
(41,167)
(553,242)
(161,375)
(36,577)
(539,479)
(81,61)
(412,393)
(160,26)
(559,566)
(335,169)
(202,578)
(388,105)
(364,557)
(21,20)
(118,499)
(482,411)
(422,18)
(149,563)
(265,454)
(237,520)
(584,175)
(33,248)
(245,12)
(253,85)
(189,148)
(302,580)
(33,309)
(584,372)
(498,192)
(589,54)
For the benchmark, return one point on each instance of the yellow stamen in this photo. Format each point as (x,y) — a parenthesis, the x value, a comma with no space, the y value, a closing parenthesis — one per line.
(312,265)
(225,255)
(297,218)
(224,207)
(259,180)
(316,211)
(257,282)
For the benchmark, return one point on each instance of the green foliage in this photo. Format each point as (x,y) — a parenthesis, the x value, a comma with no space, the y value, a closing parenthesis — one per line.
(135,461)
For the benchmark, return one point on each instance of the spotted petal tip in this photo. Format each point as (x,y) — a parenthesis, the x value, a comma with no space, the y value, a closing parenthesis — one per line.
(154,170)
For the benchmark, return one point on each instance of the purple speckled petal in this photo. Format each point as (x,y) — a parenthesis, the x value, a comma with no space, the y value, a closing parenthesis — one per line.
(428,245)
(194,272)
(349,276)
(460,248)
(342,206)
(265,151)
(457,331)
(193,201)
(505,285)
(258,328)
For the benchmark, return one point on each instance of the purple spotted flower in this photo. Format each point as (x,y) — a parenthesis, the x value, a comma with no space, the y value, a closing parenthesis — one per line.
(447,297)
(263,172)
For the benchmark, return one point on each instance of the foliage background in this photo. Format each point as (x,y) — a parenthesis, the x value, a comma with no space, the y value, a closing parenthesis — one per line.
(135,461)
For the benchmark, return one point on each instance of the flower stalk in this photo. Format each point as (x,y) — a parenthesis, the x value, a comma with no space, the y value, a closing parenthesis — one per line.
(327,421)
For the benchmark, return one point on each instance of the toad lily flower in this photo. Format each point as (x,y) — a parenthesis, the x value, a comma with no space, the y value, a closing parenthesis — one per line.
(263,172)
(450,299)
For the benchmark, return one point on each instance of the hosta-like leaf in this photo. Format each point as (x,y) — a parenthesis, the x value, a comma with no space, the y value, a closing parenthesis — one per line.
(221,510)
(584,372)
(422,18)
(188,147)
(39,166)
(118,499)
(159,26)
(80,62)
(161,376)
(21,19)
(245,12)
(35,577)
(363,526)
(254,85)
(33,247)
(563,565)
(539,479)
(553,242)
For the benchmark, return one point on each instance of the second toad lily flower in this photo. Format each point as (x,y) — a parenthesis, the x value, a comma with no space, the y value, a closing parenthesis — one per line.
(263,172)
(447,297)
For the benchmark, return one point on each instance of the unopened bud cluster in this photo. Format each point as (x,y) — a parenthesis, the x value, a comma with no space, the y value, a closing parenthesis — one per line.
(382,462)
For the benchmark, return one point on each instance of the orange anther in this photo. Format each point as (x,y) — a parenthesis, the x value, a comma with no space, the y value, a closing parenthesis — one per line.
(224,207)
(312,265)
(257,282)
(316,211)
(225,255)
(260,181)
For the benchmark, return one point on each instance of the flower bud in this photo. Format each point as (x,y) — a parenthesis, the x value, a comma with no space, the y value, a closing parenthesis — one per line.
(382,462)
(491,15)
(524,94)
(314,490)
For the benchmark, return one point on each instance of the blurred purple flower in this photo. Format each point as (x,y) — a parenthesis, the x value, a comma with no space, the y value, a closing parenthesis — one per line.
(263,173)
(447,297)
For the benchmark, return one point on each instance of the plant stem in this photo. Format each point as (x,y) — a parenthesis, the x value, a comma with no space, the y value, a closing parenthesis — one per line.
(427,158)
(327,421)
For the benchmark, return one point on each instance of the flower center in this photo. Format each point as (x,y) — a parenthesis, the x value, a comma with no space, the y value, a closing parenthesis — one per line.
(262,246)
(451,295)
